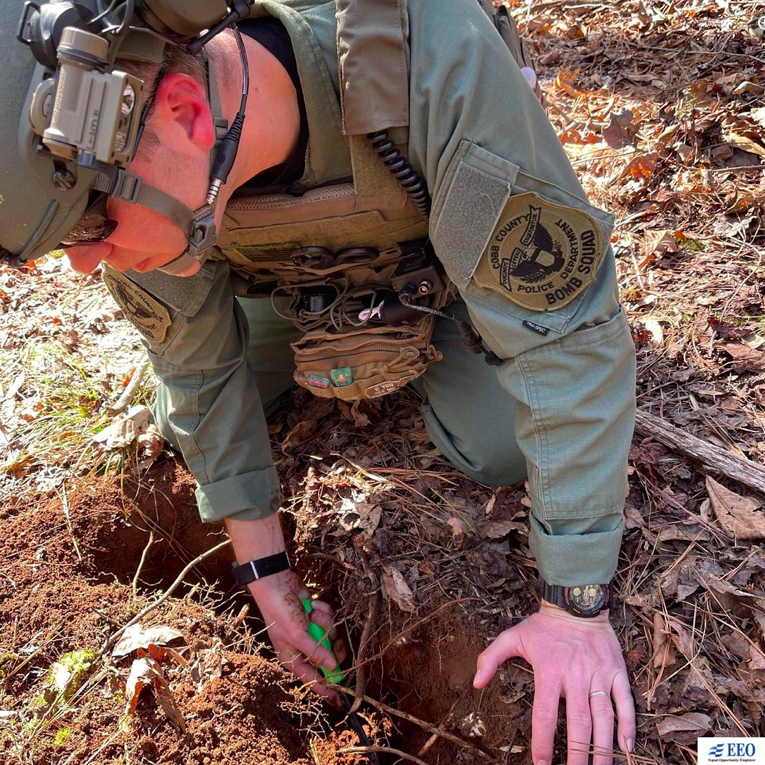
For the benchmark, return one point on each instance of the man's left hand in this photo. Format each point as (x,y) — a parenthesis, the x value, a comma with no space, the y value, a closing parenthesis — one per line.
(571,657)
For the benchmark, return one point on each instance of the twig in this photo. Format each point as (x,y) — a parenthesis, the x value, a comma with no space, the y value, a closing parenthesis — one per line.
(141,562)
(386,749)
(409,629)
(712,458)
(432,740)
(421,723)
(168,592)
(126,398)
(366,633)
(65,507)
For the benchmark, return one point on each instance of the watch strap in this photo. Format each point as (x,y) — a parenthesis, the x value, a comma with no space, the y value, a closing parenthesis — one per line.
(252,570)
(553,593)
(557,594)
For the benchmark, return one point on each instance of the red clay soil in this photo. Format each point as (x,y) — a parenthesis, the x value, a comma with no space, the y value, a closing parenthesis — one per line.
(56,597)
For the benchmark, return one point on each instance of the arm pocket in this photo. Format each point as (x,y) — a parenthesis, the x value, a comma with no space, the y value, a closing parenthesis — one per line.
(157,304)
(526,245)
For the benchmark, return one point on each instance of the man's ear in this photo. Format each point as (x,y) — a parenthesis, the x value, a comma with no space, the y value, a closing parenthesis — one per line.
(181,112)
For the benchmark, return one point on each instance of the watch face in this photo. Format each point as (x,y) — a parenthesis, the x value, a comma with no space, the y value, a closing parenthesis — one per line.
(588,597)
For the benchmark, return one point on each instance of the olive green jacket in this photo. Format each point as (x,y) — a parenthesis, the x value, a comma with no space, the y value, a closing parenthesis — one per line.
(480,139)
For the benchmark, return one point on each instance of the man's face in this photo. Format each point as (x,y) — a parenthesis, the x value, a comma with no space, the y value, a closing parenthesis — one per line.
(143,239)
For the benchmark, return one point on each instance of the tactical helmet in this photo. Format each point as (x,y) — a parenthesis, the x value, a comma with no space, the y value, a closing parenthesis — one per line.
(40,199)
(60,146)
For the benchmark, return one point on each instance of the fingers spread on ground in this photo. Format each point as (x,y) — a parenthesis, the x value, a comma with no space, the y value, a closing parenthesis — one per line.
(544,718)
(625,710)
(578,727)
(602,727)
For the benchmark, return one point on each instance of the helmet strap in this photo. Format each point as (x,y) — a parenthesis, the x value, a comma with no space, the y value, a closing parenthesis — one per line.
(200,223)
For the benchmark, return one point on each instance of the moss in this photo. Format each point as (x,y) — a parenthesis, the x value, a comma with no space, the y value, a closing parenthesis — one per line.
(61,736)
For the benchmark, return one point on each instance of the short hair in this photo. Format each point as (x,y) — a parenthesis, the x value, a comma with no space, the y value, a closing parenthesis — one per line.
(175,59)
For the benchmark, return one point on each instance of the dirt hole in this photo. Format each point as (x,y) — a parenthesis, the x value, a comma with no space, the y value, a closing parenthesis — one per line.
(70,579)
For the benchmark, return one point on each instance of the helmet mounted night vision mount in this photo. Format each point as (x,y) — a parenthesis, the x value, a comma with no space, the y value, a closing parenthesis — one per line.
(84,116)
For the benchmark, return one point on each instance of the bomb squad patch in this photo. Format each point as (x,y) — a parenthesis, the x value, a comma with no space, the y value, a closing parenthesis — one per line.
(145,313)
(541,255)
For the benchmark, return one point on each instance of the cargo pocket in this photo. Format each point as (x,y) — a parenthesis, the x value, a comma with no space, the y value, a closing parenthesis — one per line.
(527,246)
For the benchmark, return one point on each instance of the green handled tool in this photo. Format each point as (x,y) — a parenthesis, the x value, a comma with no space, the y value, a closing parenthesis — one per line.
(335,677)
(319,634)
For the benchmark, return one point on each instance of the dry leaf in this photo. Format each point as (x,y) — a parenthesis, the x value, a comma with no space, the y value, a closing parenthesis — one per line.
(745,144)
(498,529)
(459,529)
(620,131)
(396,588)
(208,665)
(641,167)
(659,242)
(758,115)
(739,517)
(746,359)
(692,721)
(125,429)
(149,445)
(146,673)
(663,651)
(653,327)
(136,636)
(301,433)
(755,660)
(358,514)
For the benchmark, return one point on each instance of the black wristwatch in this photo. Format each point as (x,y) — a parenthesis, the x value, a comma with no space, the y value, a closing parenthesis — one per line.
(253,570)
(585,600)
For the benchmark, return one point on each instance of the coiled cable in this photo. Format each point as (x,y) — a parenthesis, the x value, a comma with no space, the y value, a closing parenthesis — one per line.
(402,171)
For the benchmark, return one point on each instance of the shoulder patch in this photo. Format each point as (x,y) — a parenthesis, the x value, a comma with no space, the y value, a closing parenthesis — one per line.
(145,313)
(541,255)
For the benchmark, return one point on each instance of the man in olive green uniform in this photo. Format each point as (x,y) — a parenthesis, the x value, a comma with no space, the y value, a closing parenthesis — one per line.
(533,269)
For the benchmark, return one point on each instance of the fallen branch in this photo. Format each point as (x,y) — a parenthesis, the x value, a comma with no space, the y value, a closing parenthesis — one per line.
(126,398)
(712,458)
(141,563)
(385,749)
(366,633)
(421,723)
(165,595)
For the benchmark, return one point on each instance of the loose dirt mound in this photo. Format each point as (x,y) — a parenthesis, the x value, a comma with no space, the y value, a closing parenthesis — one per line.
(65,587)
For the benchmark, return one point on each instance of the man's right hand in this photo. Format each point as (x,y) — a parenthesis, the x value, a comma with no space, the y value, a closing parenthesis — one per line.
(279,600)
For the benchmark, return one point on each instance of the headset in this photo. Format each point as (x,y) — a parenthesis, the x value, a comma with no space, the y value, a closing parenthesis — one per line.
(88,115)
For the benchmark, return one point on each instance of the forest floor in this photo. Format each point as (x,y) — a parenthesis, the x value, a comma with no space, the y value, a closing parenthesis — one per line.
(660,108)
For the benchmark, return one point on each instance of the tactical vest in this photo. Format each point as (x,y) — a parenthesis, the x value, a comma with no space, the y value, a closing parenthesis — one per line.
(347,247)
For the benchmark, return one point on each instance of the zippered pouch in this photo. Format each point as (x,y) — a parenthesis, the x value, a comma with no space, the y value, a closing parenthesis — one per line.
(366,363)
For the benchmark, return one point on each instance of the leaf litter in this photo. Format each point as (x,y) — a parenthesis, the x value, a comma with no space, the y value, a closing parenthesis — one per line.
(659,108)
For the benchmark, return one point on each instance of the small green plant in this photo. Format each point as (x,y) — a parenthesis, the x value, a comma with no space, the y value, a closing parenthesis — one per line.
(62,734)
(67,674)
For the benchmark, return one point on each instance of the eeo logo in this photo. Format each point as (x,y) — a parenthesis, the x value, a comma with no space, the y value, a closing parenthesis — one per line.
(757,26)
(731,750)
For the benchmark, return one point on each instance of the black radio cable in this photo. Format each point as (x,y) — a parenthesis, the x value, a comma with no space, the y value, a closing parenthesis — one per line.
(229,146)
(402,170)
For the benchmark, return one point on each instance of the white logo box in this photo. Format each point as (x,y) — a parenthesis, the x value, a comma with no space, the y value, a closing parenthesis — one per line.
(730,751)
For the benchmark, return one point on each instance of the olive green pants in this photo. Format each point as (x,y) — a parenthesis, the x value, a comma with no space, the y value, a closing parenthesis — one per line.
(468,415)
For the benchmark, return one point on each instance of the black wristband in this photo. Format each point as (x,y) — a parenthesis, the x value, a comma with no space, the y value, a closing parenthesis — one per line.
(256,569)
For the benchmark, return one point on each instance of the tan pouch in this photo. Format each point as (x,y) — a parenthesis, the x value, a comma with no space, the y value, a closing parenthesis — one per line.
(366,363)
